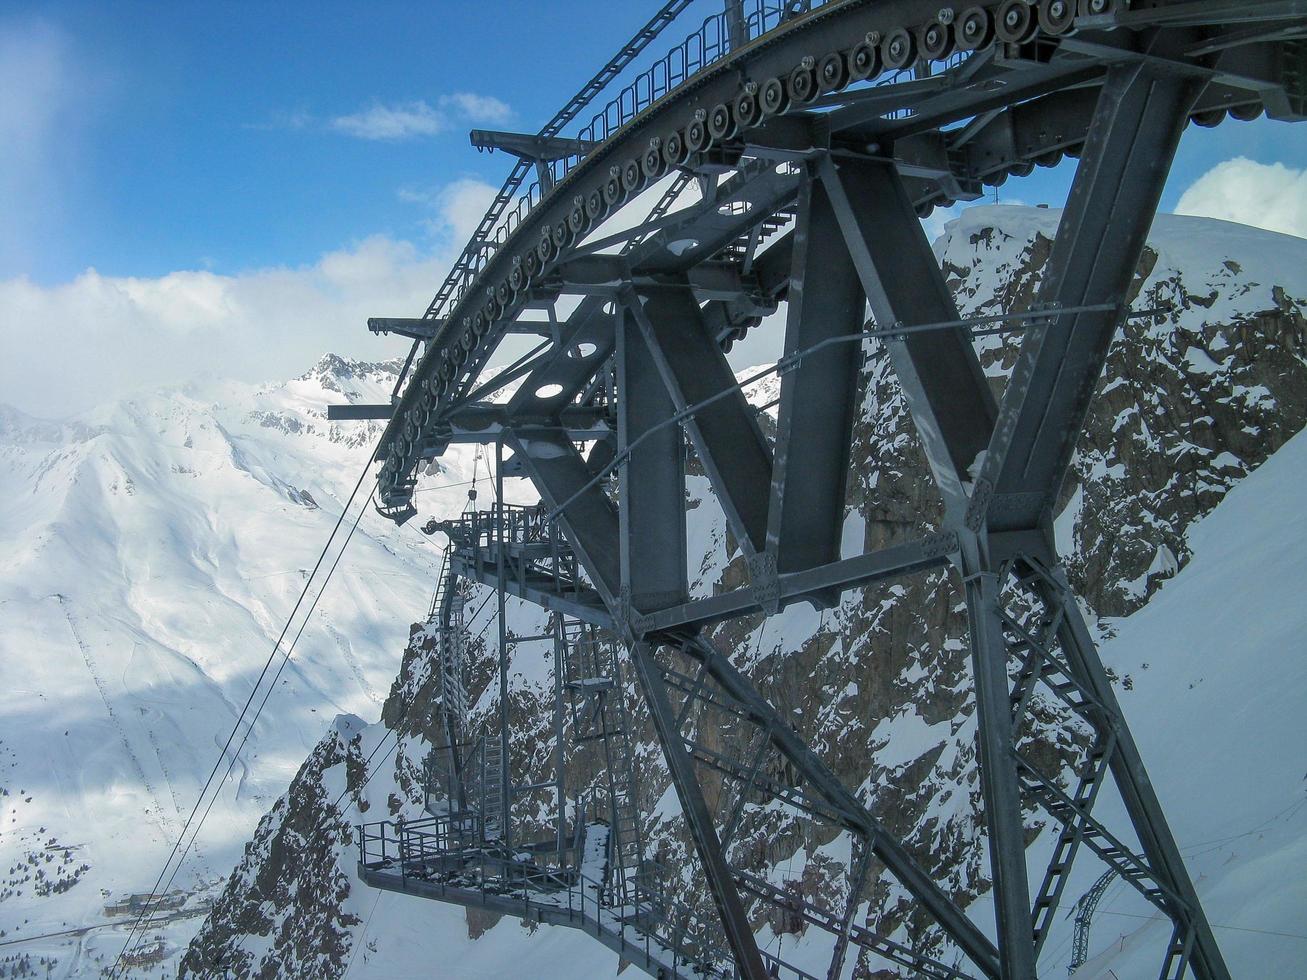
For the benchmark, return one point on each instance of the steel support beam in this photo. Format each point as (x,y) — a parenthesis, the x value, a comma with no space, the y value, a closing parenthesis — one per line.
(501,599)
(652,499)
(1132,781)
(939,372)
(998,779)
(737,25)
(697,817)
(725,434)
(415,328)
(819,397)
(856,881)
(590,521)
(1126,158)
(892,562)
(528,146)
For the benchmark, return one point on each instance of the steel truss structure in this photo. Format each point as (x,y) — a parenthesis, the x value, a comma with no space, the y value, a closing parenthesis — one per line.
(790,149)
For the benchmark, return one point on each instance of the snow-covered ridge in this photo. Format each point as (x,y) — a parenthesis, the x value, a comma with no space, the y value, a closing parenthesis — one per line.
(1225,270)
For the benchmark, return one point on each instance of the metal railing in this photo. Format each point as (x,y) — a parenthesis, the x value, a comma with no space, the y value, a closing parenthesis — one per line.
(700,50)
(476,535)
(636,921)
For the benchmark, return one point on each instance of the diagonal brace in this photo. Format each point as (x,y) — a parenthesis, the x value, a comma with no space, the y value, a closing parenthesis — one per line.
(706,843)
(856,817)
(1123,168)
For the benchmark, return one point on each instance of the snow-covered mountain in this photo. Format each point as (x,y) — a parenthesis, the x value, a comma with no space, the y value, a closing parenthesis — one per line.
(160,544)
(153,550)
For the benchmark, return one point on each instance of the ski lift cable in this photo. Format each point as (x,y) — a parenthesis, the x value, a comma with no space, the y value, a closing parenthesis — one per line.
(138,922)
(154,892)
(267,694)
(286,659)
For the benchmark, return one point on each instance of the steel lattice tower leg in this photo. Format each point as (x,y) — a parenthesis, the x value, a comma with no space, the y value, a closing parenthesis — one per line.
(999,783)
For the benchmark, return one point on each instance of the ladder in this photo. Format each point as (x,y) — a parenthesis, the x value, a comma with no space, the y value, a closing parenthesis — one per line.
(491,795)
(452,644)
(593,678)
(446,616)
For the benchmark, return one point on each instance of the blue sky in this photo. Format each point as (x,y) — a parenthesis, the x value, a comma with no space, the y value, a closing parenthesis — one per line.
(234,187)
(200,134)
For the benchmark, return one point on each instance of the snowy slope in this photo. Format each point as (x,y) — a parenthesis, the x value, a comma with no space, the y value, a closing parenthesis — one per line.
(1218,665)
(154,549)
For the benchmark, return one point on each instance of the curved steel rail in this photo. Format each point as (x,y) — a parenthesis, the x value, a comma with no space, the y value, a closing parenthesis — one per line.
(705,98)
(704,102)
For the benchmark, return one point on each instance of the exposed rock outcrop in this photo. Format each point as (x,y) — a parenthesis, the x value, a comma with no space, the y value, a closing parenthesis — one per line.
(880,685)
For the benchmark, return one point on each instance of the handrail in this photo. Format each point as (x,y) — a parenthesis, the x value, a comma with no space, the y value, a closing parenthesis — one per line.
(622,915)
(700,50)
(573,107)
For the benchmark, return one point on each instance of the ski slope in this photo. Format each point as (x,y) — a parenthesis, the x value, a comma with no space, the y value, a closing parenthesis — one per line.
(154,549)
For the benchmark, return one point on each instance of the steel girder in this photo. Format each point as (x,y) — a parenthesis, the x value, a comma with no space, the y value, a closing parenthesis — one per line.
(819,396)
(941,377)
(725,434)
(819,209)
(708,846)
(559,473)
(1113,199)
(653,544)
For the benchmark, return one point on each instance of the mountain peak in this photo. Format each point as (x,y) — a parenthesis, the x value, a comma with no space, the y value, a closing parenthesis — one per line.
(341,367)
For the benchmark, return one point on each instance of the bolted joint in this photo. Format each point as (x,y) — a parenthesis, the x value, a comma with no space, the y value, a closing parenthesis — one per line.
(765,581)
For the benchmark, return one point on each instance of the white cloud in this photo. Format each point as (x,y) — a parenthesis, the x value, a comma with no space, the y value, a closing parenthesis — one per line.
(456,208)
(420,118)
(392,122)
(480,108)
(77,344)
(1270,196)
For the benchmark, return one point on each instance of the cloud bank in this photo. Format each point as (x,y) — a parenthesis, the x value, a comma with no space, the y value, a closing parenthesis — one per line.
(72,346)
(1270,196)
(409,120)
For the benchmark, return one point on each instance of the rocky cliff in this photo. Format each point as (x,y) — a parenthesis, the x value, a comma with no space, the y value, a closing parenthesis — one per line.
(1190,403)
